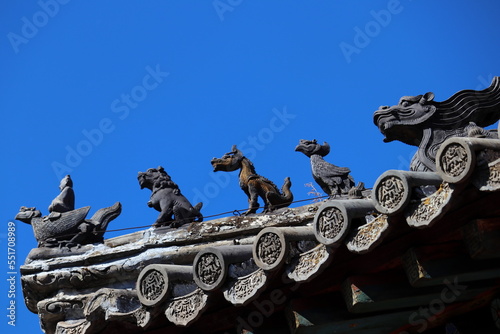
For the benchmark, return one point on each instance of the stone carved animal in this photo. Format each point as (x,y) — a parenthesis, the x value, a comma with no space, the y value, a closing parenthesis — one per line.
(69,229)
(65,226)
(254,185)
(422,122)
(65,201)
(332,179)
(175,210)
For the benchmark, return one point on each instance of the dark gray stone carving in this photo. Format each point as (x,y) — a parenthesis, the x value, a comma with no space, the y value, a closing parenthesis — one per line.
(210,266)
(423,197)
(487,176)
(270,248)
(68,227)
(420,121)
(184,310)
(175,209)
(368,236)
(295,247)
(428,210)
(89,313)
(152,285)
(155,282)
(333,220)
(332,179)
(245,288)
(394,189)
(331,223)
(253,184)
(457,158)
(209,269)
(65,201)
(310,264)
(358,192)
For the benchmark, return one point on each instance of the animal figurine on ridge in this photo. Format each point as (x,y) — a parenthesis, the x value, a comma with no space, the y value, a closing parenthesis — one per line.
(65,226)
(175,209)
(254,185)
(332,179)
(65,201)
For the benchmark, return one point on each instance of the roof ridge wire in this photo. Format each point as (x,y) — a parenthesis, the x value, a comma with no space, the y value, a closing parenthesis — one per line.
(234,212)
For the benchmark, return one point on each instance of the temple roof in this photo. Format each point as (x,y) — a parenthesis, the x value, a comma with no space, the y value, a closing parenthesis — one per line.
(417,251)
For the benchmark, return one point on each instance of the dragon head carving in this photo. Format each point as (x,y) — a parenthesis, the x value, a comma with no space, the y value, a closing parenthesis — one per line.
(420,121)
(401,122)
(229,162)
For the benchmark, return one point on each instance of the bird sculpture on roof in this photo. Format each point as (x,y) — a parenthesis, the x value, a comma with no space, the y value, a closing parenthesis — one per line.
(332,179)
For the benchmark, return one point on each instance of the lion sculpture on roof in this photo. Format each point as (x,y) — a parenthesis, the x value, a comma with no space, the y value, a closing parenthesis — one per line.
(175,209)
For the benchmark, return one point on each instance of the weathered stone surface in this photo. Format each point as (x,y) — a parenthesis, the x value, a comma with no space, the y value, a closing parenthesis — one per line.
(309,264)
(487,175)
(394,189)
(368,236)
(273,245)
(156,281)
(456,159)
(211,265)
(333,220)
(184,310)
(215,231)
(243,289)
(270,249)
(118,263)
(427,211)
(87,313)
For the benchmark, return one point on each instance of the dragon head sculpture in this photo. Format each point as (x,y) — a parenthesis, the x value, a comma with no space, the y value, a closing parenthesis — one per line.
(399,122)
(420,121)
(229,162)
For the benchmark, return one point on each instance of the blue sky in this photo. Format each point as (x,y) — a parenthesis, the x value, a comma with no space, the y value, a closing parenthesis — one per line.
(104,90)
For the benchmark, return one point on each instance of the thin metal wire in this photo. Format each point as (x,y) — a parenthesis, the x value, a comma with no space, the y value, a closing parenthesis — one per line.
(234,212)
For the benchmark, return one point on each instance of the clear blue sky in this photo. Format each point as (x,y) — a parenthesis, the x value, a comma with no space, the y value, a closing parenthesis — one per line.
(104,90)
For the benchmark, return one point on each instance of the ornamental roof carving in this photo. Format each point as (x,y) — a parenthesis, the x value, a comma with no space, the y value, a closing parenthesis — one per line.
(418,240)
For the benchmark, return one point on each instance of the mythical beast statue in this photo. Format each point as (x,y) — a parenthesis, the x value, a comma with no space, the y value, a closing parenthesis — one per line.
(65,226)
(332,179)
(65,201)
(253,184)
(175,210)
(420,121)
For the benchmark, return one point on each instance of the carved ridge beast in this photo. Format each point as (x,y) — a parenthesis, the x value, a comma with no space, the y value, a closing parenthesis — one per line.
(332,179)
(65,226)
(253,184)
(420,121)
(175,209)
(69,228)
